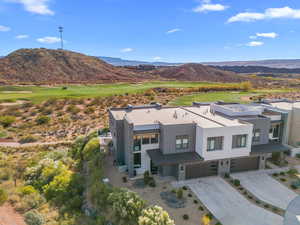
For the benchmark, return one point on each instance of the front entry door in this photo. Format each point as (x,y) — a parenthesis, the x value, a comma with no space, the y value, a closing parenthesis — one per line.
(154,169)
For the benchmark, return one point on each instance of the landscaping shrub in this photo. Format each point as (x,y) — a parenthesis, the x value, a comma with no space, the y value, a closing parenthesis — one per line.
(3,196)
(28,139)
(227,176)
(266,206)
(196,201)
(42,120)
(6,121)
(184,188)
(179,193)
(236,182)
(155,215)
(152,182)
(190,195)
(283,179)
(275,174)
(257,202)
(210,216)
(33,218)
(185,217)
(200,208)
(147,177)
(282,173)
(292,172)
(293,186)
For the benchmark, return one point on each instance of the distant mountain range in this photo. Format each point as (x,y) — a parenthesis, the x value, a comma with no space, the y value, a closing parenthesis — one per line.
(272,63)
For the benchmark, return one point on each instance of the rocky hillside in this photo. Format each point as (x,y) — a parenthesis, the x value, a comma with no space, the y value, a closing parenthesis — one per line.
(197,72)
(59,66)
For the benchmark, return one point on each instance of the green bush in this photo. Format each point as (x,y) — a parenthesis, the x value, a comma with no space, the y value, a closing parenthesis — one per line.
(200,208)
(42,120)
(227,176)
(6,121)
(147,177)
(27,190)
(3,196)
(155,215)
(236,182)
(33,218)
(179,193)
(185,217)
(152,182)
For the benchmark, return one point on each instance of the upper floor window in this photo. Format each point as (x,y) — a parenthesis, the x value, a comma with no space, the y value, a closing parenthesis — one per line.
(149,139)
(154,138)
(137,143)
(215,143)
(239,141)
(256,135)
(182,142)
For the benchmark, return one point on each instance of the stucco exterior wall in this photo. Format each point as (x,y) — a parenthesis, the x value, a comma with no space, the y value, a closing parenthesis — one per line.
(295,127)
(227,133)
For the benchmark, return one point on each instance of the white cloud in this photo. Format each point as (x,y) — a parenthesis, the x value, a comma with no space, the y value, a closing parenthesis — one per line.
(4,28)
(253,37)
(126,50)
(48,40)
(267,35)
(270,13)
(255,43)
(173,31)
(22,36)
(207,6)
(157,58)
(35,6)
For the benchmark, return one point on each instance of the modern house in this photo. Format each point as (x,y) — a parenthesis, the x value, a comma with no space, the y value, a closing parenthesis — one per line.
(201,140)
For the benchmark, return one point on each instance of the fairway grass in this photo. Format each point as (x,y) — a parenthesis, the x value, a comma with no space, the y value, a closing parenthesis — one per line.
(37,94)
(229,96)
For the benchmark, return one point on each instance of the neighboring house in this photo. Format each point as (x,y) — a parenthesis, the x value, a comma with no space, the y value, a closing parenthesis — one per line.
(202,140)
(290,110)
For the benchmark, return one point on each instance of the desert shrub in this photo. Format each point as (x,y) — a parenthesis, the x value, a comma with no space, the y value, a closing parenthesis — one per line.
(266,206)
(185,217)
(127,206)
(47,111)
(31,201)
(34,218)
(42,120)
(246,86)
(292,172)
(155,215)
(236,182)
(210,216)
(27,190)
(184,188)
(152,182)
(190,195)
(195,201)
(147,177)
(28,139)
(6,121)
(3,196)
(200,208)
(64,88)
(73,109)
(5,174)
(89,110)
(179,193)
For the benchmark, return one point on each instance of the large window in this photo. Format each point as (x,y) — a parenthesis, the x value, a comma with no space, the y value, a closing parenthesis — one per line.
(215,143)
(154,138)
(137,160)
(274,131)
(239,141)
(137,143)
(256,135)
(182,142)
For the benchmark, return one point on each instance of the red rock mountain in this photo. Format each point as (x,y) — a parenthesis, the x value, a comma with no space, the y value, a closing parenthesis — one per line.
(60,66)
(198,72)
(47,66)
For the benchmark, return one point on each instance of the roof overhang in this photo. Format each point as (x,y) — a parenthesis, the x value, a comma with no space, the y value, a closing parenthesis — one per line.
(269,148)
(160,159)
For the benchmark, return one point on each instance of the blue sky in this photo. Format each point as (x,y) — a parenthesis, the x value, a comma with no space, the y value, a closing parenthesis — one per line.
(157,30)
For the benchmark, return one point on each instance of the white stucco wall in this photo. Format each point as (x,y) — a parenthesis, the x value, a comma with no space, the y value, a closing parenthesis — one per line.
(227,132)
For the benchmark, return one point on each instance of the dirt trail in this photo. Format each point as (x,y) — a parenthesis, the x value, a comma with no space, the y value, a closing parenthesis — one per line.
(8,216)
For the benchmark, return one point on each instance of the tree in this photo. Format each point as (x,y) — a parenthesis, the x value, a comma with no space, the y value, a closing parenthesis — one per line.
(127,206)
(3,196)
(6,121)
(155,215)
(90,148)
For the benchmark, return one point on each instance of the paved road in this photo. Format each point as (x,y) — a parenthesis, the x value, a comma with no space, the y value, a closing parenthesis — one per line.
(266,188)
(228,205)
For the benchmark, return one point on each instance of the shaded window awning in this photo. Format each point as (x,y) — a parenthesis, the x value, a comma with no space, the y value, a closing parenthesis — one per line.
(270,148)
(177,158)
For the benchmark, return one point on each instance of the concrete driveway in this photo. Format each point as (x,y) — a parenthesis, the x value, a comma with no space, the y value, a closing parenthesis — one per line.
(228,205)
(266,188)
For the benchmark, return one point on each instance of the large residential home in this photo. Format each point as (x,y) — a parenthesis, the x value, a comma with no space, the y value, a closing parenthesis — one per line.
(201,140)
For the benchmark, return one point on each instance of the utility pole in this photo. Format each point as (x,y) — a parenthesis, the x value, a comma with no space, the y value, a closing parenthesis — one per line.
(61,29)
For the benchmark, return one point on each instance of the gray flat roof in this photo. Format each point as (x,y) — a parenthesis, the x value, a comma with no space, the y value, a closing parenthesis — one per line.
(175,115)
(269,148)
(159,159)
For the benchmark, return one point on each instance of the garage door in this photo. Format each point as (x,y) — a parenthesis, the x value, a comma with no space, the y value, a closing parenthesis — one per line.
(201,170)
(244,164)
